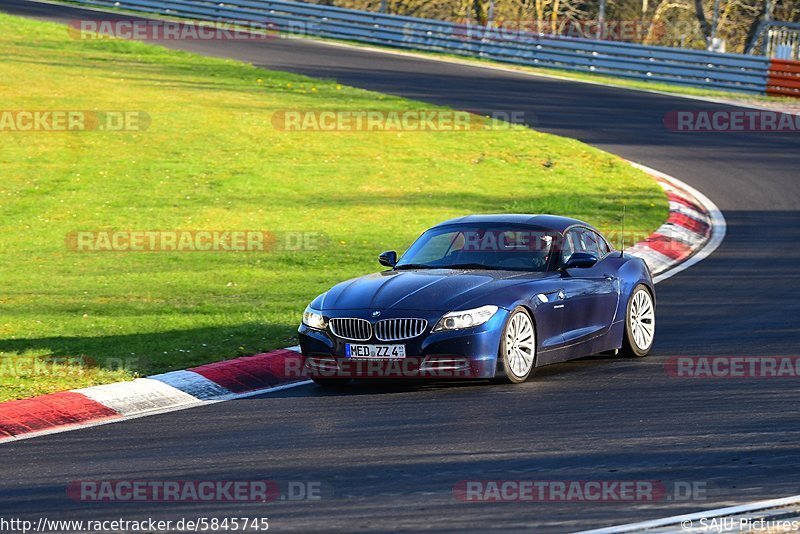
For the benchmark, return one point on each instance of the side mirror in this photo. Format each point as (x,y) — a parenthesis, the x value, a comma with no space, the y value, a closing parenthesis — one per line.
(388,258)
(580,260)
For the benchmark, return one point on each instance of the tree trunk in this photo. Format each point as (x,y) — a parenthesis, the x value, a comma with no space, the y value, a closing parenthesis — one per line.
(751,30)
(480,13)
(705,27)
(554,18)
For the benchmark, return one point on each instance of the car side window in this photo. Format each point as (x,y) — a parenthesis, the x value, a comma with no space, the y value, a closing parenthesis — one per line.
(572,244)
(589,242)
(602,244)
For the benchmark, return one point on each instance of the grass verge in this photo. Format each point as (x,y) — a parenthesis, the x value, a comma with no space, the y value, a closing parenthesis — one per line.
(212,160)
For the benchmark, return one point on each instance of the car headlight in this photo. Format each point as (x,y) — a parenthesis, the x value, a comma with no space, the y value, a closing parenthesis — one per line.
(314,319)
(456,320)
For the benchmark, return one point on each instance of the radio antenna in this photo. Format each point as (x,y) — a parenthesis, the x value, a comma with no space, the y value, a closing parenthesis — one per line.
(622,235)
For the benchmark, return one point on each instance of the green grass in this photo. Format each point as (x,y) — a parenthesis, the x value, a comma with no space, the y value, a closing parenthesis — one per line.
(211,160)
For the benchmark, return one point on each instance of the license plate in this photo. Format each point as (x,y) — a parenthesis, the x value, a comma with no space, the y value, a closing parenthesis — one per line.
(375,351)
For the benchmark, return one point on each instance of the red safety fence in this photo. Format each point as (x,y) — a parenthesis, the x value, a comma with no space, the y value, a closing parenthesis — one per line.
(784,77)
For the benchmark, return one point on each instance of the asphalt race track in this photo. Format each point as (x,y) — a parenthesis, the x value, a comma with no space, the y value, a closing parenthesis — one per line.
(389,457)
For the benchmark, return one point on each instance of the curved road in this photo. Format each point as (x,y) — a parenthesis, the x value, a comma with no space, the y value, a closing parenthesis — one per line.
(389,458)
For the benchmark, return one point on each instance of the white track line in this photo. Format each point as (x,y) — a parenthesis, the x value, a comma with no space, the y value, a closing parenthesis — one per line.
(678,520)
(157,411)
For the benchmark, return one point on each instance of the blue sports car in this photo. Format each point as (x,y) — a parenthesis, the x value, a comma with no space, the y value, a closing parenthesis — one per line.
(483,296)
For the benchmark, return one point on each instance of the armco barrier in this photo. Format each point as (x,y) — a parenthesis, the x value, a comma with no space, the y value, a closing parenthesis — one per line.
(784,78)
(673,65)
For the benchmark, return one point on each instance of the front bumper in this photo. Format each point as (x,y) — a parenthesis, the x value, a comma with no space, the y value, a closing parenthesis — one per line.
(468,353)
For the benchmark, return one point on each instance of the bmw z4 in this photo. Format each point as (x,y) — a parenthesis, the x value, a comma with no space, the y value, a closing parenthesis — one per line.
(483,296)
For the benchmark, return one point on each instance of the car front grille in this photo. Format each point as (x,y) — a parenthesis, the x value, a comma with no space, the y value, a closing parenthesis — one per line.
(353,329)
(386,330)
(399,329)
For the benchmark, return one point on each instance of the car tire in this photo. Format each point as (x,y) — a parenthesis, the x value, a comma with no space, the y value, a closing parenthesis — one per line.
(640,323)
(518,347)
(330,382)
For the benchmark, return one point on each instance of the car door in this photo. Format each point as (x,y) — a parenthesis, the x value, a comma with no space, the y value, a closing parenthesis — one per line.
(548,306)
(591,294)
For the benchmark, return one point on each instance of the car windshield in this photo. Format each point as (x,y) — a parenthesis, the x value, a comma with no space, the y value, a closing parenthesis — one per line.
(515,248)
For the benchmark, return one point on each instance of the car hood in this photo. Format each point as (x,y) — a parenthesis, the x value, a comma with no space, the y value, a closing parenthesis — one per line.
(434,290)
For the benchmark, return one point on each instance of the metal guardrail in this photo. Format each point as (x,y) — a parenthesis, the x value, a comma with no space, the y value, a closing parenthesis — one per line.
(656,64)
